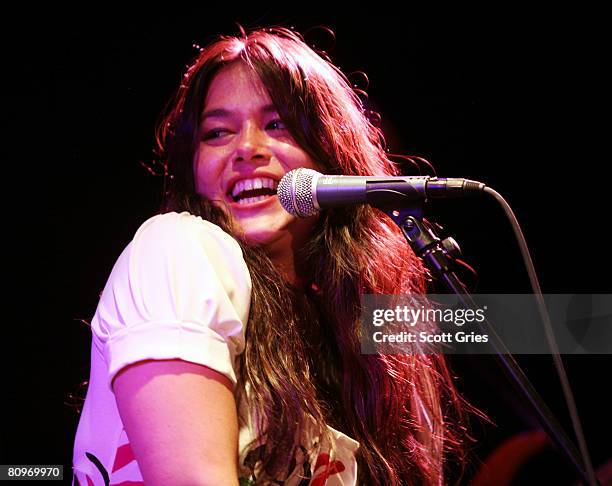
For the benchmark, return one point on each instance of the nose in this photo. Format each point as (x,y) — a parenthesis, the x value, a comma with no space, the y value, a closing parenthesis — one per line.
(252,145)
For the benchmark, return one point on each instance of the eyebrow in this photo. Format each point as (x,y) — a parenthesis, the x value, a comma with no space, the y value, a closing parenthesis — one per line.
(223,113)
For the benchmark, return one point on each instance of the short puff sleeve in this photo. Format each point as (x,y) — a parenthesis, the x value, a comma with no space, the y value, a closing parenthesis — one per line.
(180,290)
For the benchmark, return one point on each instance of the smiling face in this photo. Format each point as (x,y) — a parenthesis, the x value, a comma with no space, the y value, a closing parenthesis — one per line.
(243,153)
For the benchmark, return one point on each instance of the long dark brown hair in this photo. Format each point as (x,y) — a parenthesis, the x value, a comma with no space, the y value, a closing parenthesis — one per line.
(302,360)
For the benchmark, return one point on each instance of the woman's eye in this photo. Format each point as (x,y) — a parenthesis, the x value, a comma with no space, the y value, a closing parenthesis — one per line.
(215,133)
(276,125)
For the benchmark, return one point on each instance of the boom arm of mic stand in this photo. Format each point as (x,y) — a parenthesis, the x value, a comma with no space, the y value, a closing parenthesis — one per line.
(428,247)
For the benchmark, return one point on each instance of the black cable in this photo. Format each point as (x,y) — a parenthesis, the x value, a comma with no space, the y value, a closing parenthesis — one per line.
(535,285)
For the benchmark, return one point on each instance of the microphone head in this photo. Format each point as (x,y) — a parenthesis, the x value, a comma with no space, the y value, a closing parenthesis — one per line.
(297,192)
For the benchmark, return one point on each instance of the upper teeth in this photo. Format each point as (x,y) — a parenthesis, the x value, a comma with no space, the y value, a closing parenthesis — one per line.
(255,183)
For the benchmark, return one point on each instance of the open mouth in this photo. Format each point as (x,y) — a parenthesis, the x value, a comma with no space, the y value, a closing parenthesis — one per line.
(247,191)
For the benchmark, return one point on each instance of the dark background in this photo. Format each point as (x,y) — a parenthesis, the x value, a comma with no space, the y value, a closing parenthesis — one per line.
(513,98)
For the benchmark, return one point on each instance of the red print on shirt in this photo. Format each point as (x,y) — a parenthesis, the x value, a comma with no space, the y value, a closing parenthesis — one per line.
(123,457)
(329,468)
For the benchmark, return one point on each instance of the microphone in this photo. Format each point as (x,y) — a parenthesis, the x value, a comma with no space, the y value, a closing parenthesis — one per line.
(304,192)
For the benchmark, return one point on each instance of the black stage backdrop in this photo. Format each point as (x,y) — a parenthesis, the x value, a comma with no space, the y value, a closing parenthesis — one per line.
(512,98)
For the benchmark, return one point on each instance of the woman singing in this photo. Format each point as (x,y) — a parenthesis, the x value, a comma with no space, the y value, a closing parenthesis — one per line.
(225,346)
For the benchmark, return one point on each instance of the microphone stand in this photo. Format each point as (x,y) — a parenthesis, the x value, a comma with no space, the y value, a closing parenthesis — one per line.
(438,255)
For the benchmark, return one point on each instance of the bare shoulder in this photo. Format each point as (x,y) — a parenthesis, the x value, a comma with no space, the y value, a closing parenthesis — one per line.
(141,374)
(186,408)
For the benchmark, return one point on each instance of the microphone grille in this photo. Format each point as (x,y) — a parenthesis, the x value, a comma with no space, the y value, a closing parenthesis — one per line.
(295,192)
